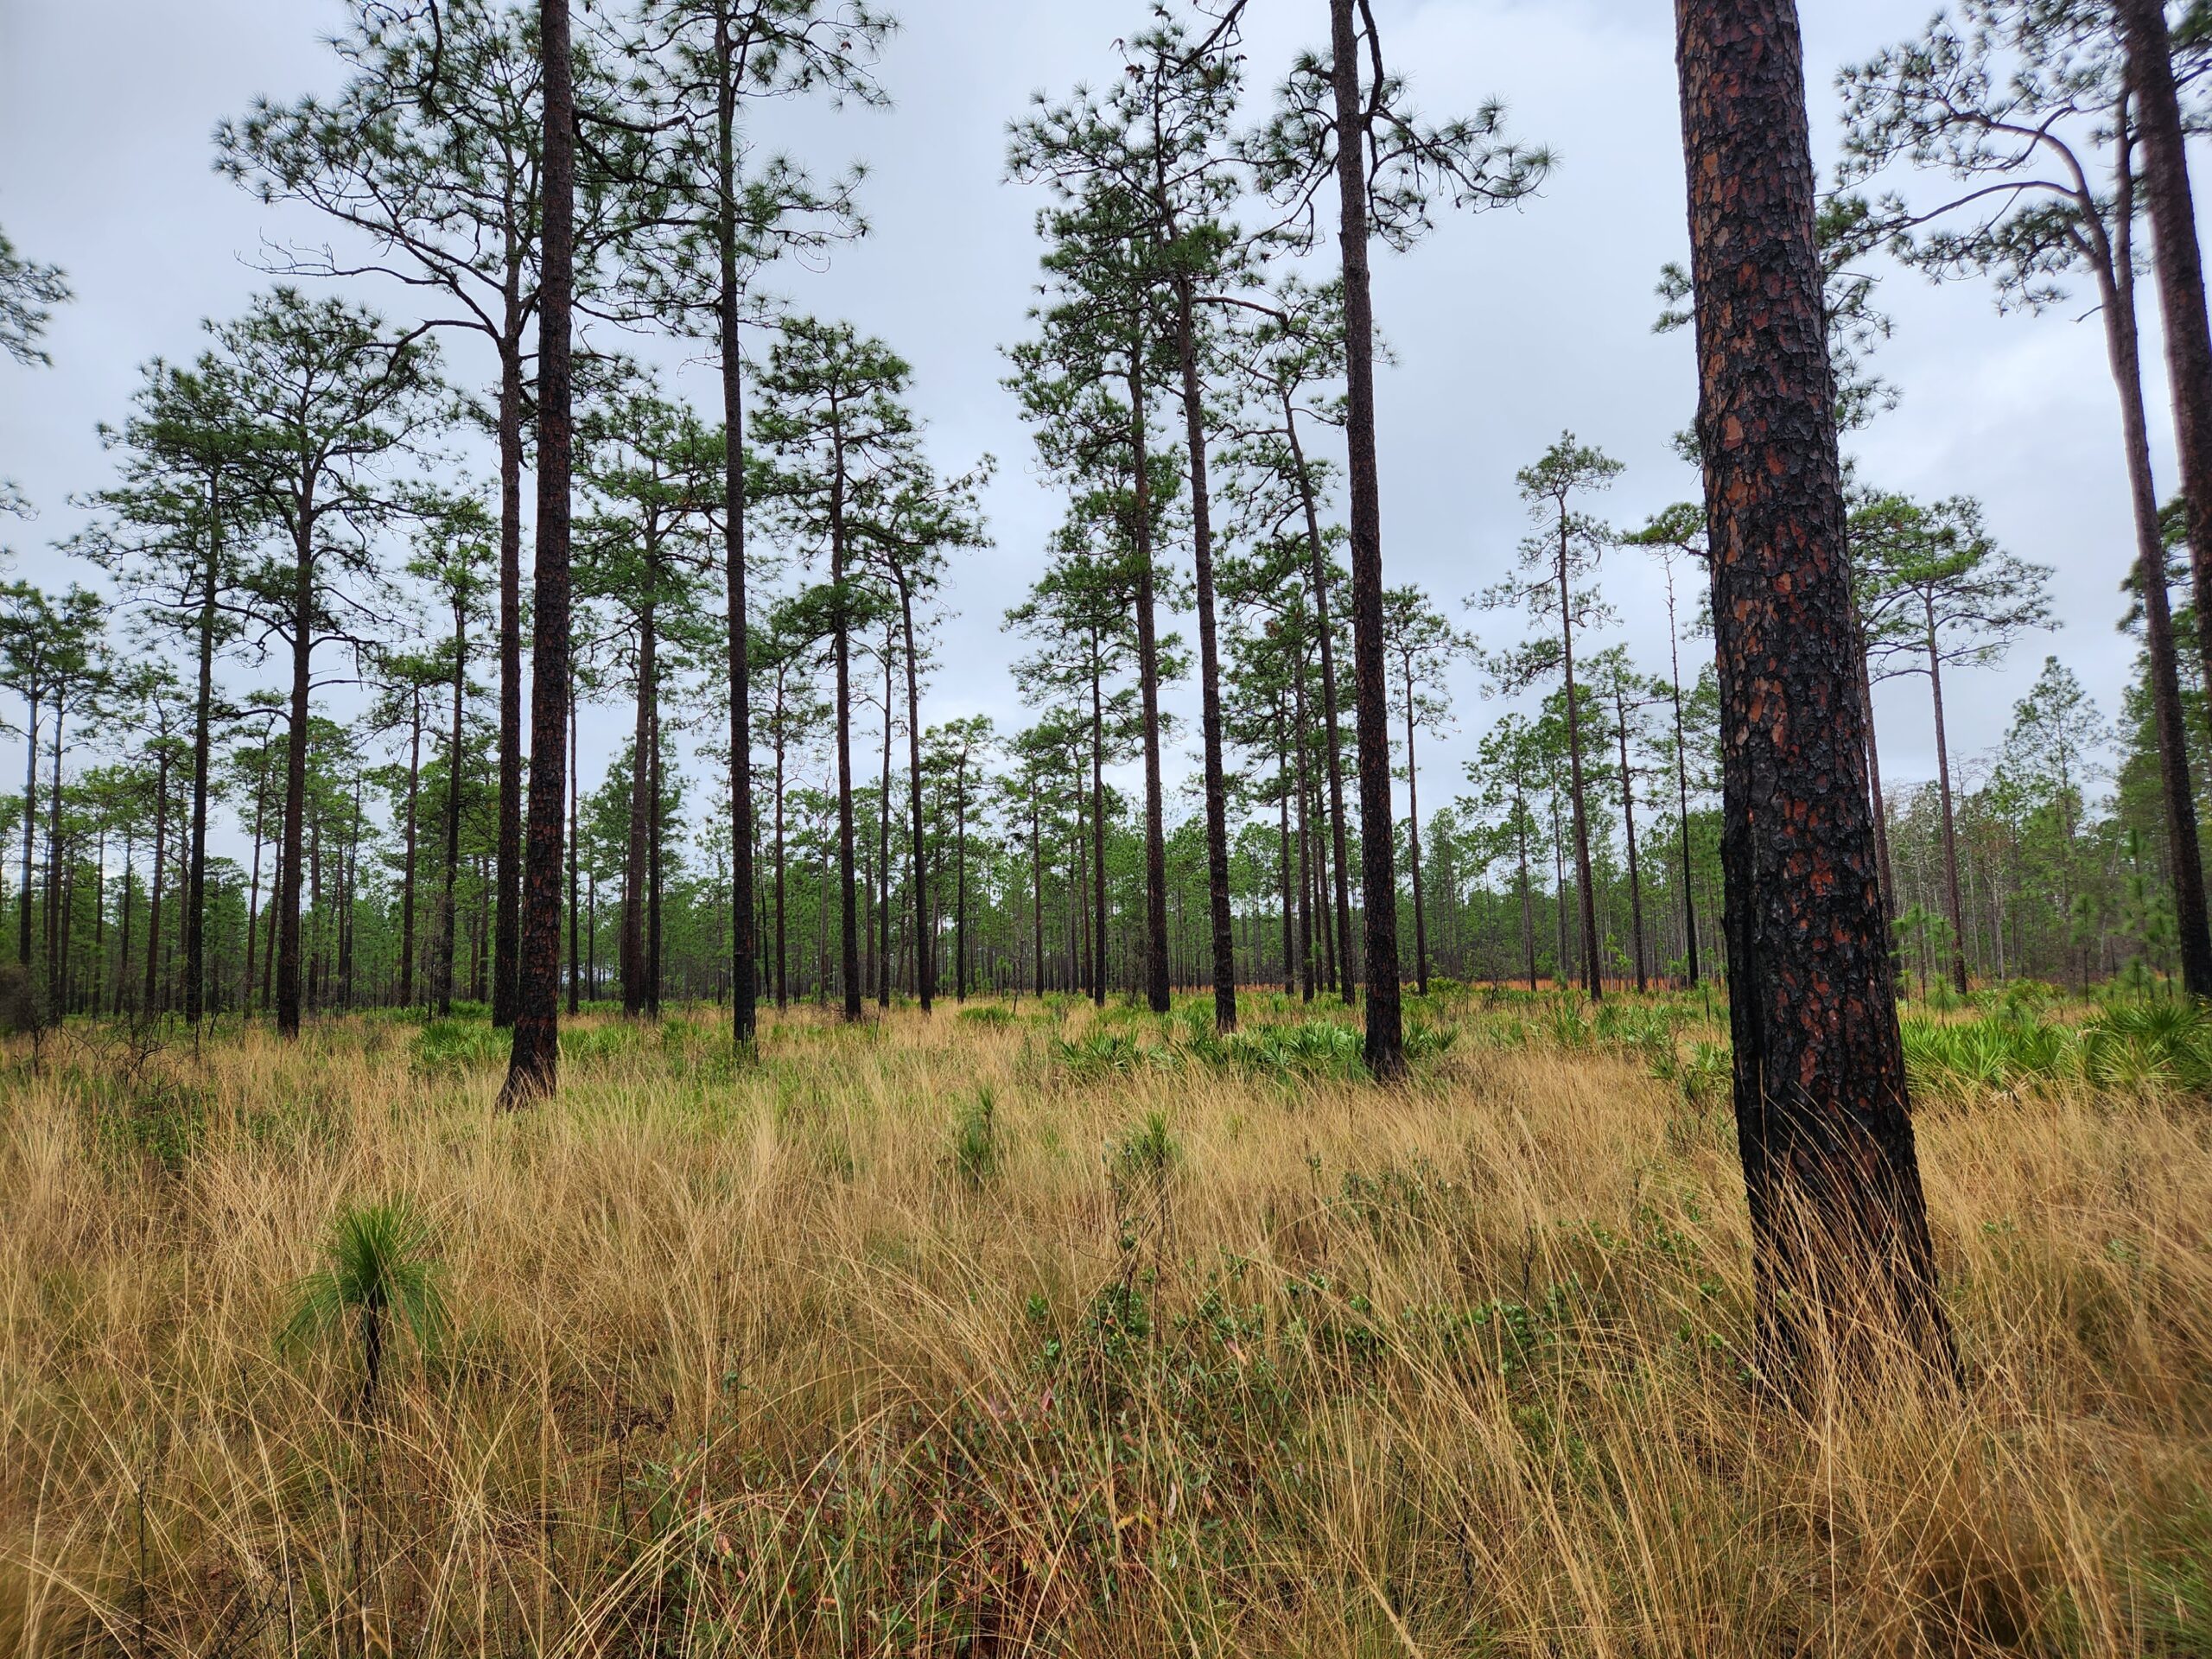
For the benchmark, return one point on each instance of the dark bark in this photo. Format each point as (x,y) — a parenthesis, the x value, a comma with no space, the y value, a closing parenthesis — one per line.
(1217,785)
(1585,889)
(1305,987)
(1682,790)
(1839,1223)
(448,915)
(745,993)
(1155,831)
(1950,824)
(1628,819)
(533,1068)
(410,838)
(1386,1053)
(151,995)
(2180,268)
(849,921)
(924,934)
(31,699)
(634,876)
(195,896)
(1097,827)
(1413,843)
(508,854)
(288,868)
(2114,267)
(1333,756)
(576,985)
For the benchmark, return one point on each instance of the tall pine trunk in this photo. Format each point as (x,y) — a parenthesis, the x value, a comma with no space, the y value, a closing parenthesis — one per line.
(1217,786)
(1155,831)
(1317,578)
(289,868)
(533,1068)
(410,838)
(744,982)
(2180,268)
(508,850)
(1594,979)
(1386,1053)
(1839,1221)
(195,896)
(2113,263)
(1951,904)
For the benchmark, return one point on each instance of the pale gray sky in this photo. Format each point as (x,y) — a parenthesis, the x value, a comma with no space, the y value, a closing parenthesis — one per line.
(1508,327)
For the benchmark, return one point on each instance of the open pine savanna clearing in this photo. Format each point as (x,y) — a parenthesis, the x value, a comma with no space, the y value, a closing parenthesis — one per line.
(1033,1329)
(651,1008)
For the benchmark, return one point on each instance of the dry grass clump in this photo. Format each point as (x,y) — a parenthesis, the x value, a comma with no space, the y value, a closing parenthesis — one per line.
(935,1337)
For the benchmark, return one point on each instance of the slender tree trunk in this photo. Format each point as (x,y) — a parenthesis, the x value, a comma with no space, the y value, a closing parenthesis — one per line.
(634,877)
(575,985)
(122,986)
(195,898)
(1155,834)
(1036,896)
(960,888)
(448,899)
(289,867)
(1682,786)
(1412,844)
(1306,874)
(924,934)
(1527,898)
(253,892)
(2113,266)
(152,1002)
(1628,818)
(744,986)
(783,946)
(505,965)
(1217,786)
(1874,779)
(533,1069)
(1950,828)
(1318,580)
(1097,827)
(883,843)
(31,820)
(1386,1057)
(848,923)
(1824,1127)
(410,840)
(1594,979)
(653,827)
(2180,268)
(1282,845)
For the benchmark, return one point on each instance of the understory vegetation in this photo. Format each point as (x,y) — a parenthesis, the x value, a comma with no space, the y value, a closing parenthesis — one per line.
(1038,1329)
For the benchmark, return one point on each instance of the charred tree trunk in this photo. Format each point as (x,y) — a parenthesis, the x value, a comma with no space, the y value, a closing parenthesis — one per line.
(745,993)
(508,852)
(1217,786)
(2115,266)
(1155,831)
(410,840)
(1840,1225)
(533,1069)
(1386,1053)
(289,868)
(1317,578)
(1951,904)
(195,896)
(2180,268)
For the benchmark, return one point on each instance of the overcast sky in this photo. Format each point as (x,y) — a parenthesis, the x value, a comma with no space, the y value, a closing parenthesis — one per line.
(1508,327)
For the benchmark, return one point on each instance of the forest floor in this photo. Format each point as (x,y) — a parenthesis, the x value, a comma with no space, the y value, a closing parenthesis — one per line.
(1043,1330)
